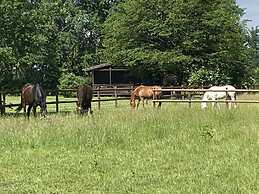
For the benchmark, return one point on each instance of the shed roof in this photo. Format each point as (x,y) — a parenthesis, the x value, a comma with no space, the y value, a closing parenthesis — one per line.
(100,66)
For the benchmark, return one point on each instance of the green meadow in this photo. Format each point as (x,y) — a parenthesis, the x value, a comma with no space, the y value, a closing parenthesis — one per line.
(116,150)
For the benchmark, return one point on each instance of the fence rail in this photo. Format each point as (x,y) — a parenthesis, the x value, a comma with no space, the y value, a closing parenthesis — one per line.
(122,93)
(205,90)
(115,93)
(191,93)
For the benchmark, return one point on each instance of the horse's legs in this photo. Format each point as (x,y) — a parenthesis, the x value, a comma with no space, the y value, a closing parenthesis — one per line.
(24,110)
(133,103)
(213,102)
(233,101)
(24,107)
(34,111)
(29,110)
(159,103)
(138,103)
(218,105)
(143,102)
(90,108)
(227,103)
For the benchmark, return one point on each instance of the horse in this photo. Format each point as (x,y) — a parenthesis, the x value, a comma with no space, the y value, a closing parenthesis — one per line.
(33,96)
(145,92)
(84,99)
(217,92)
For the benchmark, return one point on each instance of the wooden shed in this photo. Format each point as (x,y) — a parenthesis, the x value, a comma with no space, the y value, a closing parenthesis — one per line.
(106,74)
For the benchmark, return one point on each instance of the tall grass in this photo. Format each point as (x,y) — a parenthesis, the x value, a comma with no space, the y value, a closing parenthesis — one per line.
(172,150)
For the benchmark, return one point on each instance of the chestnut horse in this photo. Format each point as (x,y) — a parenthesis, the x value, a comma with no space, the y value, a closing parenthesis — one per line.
(145,92)
(33,96)
(84,99)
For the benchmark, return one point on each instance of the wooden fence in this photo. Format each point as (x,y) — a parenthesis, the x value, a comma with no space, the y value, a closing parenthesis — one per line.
(116,93)
(190,93)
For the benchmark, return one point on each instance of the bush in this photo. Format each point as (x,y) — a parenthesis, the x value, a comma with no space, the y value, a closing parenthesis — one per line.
(71,81)
(207,77)
(257,75)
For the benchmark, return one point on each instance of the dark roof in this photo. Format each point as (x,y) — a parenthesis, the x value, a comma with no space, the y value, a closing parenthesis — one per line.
(98,67)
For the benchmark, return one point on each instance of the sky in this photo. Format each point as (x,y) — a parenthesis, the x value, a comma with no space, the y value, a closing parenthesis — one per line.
(252,11)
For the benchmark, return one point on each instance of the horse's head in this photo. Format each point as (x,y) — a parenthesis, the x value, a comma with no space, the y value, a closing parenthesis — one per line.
(132,103)
(132,100)
(43,108)
(204,104)
(40,95)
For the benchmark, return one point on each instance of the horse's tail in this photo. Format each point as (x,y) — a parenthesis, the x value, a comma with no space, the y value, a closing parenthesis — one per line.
(19,108)
(20,105)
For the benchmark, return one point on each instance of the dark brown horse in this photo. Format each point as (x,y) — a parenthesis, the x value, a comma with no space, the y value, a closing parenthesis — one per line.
(33,96)
(145,92)
(84,99)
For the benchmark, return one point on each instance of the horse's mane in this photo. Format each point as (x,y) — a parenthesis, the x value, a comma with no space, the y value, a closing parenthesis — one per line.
(38,92)
(27,85)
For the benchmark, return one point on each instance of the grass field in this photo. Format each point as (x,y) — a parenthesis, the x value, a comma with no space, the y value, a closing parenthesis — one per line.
(173,150)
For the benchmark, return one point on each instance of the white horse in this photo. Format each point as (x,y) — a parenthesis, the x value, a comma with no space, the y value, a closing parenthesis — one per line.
(216,92)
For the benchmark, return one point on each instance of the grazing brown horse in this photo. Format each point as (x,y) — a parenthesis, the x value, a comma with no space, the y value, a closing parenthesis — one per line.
(33,96)
(145,92)
(84,99)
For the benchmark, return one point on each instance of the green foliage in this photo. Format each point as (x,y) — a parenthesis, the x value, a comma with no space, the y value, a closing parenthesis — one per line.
(180,38)
(253,42)
(71,81)
(7,64)
(42,39)
(257,75)
(47,37)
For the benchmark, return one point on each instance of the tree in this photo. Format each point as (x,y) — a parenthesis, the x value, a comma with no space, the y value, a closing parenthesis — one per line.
(46,38)
(7,65)
(27,31)
(201,42)
(253,42)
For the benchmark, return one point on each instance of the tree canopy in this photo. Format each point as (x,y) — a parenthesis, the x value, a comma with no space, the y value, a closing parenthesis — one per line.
(201,42)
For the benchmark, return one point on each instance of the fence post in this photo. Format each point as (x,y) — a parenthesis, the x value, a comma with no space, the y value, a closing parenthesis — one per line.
(1,108)
(190,99)
(116,96)
(227,104)
(99,98)
(57,102)
(4,102)
(154,104)
(182,93)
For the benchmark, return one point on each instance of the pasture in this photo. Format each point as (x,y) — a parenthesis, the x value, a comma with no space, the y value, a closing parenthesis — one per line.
(172,150)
